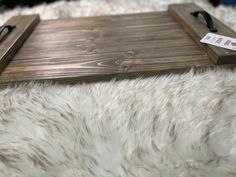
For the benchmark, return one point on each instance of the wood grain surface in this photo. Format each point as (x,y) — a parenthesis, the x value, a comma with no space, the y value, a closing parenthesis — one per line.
(14,40)
(196,28)
(103,48)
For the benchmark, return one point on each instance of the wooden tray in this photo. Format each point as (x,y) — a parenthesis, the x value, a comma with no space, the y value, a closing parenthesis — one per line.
(107,47)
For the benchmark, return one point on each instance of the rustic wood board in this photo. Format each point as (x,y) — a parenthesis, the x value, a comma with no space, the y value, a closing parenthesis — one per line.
(106,47)
(196,28)
(24,27)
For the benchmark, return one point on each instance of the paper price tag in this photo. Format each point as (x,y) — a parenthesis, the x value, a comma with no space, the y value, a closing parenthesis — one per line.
(219,41)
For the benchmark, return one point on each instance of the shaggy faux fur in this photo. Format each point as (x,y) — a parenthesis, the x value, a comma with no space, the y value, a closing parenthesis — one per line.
(166,126)
(29,3)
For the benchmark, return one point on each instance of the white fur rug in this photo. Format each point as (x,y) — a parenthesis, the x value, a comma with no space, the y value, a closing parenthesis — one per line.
(167,126)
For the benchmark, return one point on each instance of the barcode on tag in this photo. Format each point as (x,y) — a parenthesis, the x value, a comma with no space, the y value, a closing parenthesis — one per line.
(220,41)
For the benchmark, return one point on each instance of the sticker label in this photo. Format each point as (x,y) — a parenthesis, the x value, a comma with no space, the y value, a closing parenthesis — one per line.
(219,41)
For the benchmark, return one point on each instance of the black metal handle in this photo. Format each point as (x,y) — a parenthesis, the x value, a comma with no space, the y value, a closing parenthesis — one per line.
(6,27)
(208,19)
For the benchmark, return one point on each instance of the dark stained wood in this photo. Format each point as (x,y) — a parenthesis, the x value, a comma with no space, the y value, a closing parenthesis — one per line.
(13,41)
(196,28)
(103,48)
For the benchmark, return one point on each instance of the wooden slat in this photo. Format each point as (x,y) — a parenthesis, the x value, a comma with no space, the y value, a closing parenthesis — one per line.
(103,48)
(13,41)
(196,28)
